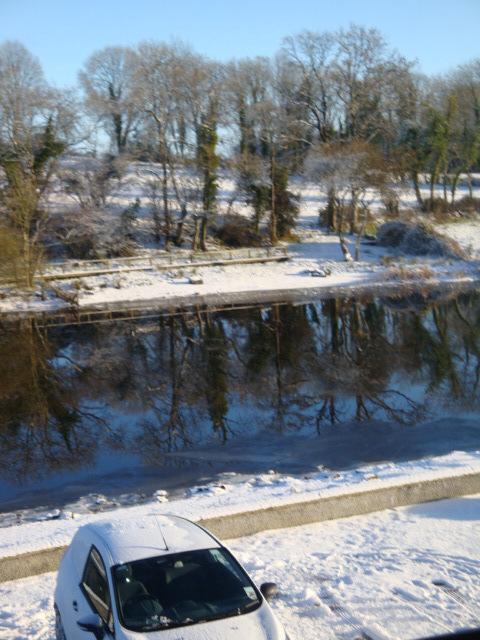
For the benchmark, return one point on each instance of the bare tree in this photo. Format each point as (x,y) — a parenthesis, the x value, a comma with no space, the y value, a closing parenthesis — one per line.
(166,88)
(269,130)
(93,230)
(313,56)
(365,74)
(107,80)
(33,129)
(347,172)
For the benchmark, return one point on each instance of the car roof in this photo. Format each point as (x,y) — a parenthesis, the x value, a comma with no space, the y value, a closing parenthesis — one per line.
(129,539)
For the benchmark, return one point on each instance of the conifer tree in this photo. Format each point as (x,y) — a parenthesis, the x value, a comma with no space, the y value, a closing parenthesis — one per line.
(208,162)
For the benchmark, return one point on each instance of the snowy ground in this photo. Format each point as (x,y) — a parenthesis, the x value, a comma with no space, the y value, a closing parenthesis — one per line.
(376,571)
(465,233)
(318,251)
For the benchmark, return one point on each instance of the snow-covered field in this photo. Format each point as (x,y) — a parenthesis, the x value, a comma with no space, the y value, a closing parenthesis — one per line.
(374,572)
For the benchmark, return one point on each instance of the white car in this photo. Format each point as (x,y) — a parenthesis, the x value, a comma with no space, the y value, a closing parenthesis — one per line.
(160,577)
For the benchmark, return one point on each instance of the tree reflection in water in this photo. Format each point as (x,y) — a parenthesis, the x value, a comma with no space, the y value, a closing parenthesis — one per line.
(44,425)
(153,387)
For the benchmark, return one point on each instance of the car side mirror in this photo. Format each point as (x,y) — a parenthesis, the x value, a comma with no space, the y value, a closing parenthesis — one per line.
(93,624)
(269,590)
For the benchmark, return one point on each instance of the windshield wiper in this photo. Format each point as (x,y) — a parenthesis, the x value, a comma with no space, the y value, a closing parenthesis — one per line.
(250,605)
(167,625)
(238,611)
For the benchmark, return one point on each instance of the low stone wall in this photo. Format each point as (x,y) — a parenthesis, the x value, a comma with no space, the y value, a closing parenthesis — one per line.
(286,515)
(248,523)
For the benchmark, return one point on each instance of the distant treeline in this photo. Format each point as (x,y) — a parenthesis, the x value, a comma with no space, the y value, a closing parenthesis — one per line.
(342,107)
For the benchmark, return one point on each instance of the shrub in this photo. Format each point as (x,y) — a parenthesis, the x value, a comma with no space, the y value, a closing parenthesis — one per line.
(422,239)
(418,239)
(83,247)
(400,272)
(14,267)
(341,212)
(467,203)
(392,234)
(236,231)
(122,248)
(391,202)
(437,205)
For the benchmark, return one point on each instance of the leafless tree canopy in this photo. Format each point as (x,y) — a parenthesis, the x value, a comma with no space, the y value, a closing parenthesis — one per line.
(341,108)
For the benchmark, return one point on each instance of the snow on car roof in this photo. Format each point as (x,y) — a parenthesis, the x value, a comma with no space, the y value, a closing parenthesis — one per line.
(132,539)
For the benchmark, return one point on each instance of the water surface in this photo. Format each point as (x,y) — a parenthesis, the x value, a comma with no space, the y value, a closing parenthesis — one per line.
(167,401)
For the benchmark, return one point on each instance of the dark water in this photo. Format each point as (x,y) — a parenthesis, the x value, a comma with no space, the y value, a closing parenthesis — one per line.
(165,402)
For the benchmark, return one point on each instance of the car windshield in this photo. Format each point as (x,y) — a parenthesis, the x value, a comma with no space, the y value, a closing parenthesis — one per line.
(182,588)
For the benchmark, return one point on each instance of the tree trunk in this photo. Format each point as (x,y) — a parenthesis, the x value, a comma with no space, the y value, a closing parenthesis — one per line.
(180,226)
(359,239)
(179,234)
(27,262)
(344,247)
(332,222)
(418,194)
(354,213)
(203,232)
(196,235)
(433,180)
(117,125)
(453,188)
(273,216)
(166,209)
(157,226)
(432,191)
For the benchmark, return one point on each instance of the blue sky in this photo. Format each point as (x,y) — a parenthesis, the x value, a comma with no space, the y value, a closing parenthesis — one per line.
(62,33)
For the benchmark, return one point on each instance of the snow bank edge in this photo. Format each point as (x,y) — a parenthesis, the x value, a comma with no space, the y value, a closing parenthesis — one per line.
(294,514)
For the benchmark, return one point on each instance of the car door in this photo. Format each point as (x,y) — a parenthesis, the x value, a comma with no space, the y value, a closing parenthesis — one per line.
(69,597)
(94,594)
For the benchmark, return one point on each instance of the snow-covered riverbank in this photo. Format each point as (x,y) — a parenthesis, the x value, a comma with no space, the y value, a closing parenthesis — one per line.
(315,265)
(316,252)
(377,570)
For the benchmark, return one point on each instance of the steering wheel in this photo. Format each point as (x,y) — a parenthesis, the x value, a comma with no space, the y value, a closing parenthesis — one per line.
(141,598)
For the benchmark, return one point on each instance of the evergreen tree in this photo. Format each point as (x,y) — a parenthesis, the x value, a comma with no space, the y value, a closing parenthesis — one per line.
(208,162)
(128,218)
(285,203)
(436,143)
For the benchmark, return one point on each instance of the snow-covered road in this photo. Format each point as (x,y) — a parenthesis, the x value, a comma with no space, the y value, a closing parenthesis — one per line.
(379,568)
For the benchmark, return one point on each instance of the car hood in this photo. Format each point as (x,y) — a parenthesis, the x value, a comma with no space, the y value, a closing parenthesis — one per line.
(258,625)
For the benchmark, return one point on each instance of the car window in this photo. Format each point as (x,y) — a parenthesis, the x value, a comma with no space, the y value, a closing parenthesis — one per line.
(179,589)
(95,586)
